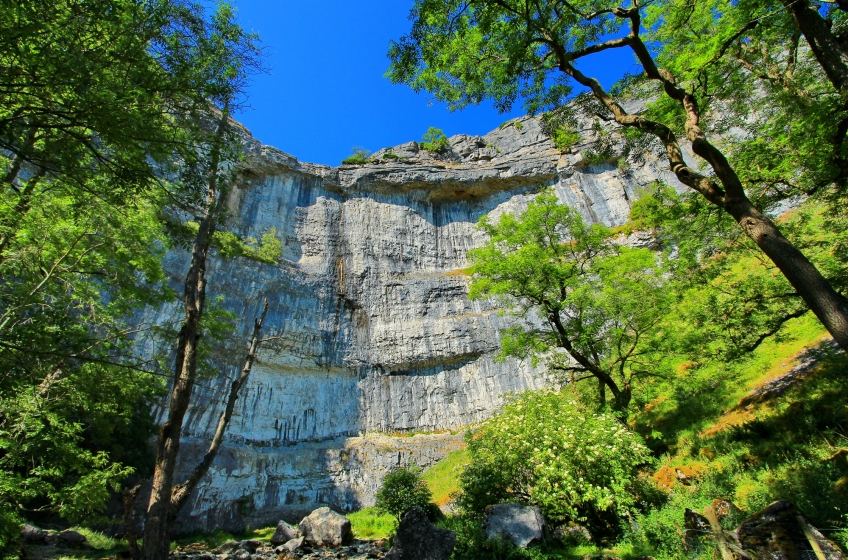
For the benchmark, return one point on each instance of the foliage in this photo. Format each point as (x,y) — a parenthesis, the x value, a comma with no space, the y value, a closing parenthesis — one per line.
(402,488)
(74,404)
(102,99)
(785,448)
(370,523)
(546,449)
(268,249)
(358,157)
(593,309)
(434,140)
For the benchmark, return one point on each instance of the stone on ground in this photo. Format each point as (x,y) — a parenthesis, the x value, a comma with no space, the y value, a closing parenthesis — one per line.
(324,527)
(572,534)
(522,525)
(33,534)
(418,539)
(284,533)
(290,545)
(72,538)
(778,531)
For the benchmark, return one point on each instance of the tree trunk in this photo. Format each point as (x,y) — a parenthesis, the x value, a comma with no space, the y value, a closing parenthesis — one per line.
(180,494)
(157,529)
(129,497)
(829,51)
(22,155)
(827,304)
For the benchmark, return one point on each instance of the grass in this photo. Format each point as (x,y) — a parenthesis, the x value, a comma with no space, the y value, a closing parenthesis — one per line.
(369,524)
(443,478)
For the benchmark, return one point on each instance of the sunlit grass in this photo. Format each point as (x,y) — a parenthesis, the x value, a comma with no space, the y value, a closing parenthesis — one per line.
(368,523)
(443,478)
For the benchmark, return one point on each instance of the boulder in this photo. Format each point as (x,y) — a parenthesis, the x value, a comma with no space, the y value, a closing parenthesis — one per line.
(284,533)
(418,539)
(520,524)
(780,531)
(572,534)
(324,527)
(33,534)
(290,546)
(695,527)
(72,538)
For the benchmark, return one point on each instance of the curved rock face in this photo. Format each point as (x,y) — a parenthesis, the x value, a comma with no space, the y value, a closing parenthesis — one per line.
(371,324)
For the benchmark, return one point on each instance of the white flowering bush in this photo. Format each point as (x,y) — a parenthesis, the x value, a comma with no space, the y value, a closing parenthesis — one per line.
(548,450)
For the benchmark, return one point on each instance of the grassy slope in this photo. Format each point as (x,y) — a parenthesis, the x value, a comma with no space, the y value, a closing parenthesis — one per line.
(443,478)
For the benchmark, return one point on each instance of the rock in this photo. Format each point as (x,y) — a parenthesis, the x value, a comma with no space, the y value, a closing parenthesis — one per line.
(522,525)
(290,545)
(369,304)
(242,554)
(72,538)
(418,539)
(324,527)
(284,533)
(33,534)
(572,534)
(695,527)
(777,532)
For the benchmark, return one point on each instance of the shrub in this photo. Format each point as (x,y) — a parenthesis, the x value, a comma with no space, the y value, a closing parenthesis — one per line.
(403,488)
(434,140)
(358,157)
(564,138)
(545,449)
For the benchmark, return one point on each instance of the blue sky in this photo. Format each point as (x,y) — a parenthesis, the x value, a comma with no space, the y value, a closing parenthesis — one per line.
(325,91)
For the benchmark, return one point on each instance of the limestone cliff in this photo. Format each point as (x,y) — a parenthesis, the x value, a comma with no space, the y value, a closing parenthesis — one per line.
(374,332)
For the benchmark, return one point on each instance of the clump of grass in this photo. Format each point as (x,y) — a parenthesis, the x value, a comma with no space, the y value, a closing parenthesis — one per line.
(368,523)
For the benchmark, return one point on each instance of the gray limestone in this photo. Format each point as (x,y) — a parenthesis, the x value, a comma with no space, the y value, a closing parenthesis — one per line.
(373,332)
(522,525)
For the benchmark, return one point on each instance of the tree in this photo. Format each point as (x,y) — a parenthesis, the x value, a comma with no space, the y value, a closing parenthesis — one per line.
(464,52)
(107,131)
(227,53)
(87,126)
(592,308)
(403,488)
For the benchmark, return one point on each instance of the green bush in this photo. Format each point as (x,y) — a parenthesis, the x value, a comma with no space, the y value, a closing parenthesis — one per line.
(548,450)
(358,157)
(403,488)
(434,140)
(564,138)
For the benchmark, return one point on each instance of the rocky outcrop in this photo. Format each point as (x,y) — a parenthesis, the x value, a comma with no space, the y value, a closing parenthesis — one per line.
(372,331)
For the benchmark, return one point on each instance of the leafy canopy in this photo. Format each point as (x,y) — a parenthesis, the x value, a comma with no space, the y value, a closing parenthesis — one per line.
(402,488)
(592,308)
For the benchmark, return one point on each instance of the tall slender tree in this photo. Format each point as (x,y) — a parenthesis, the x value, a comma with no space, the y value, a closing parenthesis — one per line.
(224,51)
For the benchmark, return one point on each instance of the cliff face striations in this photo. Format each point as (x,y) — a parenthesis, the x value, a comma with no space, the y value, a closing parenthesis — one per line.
(373,331)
